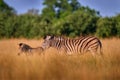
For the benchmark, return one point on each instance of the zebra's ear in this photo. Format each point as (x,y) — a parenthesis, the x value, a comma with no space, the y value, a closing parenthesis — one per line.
(52,37)
(44,37)
(48,37)
(20,44)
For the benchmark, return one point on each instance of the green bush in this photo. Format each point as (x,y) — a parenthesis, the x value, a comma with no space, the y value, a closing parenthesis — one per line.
(106,27)
(64,17)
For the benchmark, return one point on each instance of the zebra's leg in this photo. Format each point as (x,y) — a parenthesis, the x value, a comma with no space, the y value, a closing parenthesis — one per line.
(26,53)
(67,52)
(19,53)
(42,52)
(93,51)
(100,52)
(62,50)
(30,52)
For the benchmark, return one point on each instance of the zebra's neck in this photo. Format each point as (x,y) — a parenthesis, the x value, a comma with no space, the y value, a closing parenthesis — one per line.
(57,42)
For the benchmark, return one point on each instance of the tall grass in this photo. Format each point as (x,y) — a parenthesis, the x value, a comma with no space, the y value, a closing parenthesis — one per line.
(53,66)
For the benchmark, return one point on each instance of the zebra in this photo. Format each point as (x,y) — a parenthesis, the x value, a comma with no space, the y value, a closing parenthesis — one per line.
(24,48)
(80,45)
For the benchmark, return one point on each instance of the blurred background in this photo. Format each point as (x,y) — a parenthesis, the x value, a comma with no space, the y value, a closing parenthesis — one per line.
(29,20)
(36,18)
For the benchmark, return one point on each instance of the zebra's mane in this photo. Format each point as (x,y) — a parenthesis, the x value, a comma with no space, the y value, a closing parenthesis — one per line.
(59,38)
(64,38)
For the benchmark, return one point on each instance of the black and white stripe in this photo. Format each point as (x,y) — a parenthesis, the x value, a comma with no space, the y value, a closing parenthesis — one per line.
(75,45)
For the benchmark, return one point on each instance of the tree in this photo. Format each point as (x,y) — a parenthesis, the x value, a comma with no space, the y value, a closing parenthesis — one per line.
(106,27)
(4,8)
(69,17)
(58,17)
(76,24)
(48,13)
(5,12)
(117,21)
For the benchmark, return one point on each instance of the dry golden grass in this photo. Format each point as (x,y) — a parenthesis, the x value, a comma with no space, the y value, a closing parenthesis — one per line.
(53,66)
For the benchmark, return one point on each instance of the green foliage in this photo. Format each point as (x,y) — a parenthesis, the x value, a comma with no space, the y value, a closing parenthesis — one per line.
(58,17)
(106,27)
(78,23)
(117,19)
(4,8)
(71,19)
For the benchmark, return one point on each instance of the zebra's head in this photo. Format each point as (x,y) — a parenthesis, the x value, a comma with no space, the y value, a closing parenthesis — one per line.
(21,45)
(47,41)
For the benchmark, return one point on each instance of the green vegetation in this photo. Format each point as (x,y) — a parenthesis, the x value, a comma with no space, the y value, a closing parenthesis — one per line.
(58,17)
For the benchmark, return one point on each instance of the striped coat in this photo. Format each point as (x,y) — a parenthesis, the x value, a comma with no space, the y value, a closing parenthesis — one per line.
(76,45)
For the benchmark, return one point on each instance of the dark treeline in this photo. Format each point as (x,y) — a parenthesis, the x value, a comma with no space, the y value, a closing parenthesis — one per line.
(58,17)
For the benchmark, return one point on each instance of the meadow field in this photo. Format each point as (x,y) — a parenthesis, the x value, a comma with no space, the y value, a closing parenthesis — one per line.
(53,66)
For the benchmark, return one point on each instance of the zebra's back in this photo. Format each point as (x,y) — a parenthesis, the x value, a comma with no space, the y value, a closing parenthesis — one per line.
(82,45)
